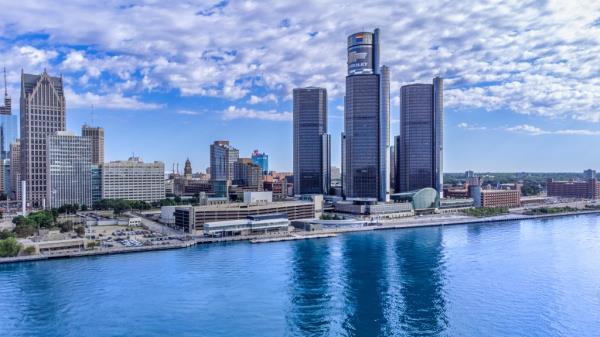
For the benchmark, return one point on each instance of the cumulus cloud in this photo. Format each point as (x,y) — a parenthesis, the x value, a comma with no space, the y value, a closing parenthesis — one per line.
(262,99)
(188,112)
(107,101)
(470,127)
(531,57)
(234,112)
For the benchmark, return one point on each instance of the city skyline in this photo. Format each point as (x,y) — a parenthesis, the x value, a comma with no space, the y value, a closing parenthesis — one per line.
(512,88)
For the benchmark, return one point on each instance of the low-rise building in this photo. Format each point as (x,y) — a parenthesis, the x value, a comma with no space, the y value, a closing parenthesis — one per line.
(588,189)
(500,198)
(253,224)
(371,207)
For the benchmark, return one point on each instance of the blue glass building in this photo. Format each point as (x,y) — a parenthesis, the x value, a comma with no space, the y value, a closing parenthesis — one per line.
(8,134)
(262,160)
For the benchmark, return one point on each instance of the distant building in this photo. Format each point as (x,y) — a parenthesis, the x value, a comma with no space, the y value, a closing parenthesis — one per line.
(96,135)
(500,198)
(96,182)
(133,180)
(69,160)
(312,144)
(222,157)
(6,109)
(247,174)
(588,189)
(262,160)
(365,142)
(187,170)
(42,114)
(589,174)
(420,148)
(15,170)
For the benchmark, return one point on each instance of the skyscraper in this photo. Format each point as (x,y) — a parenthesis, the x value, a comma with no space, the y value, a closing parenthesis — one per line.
(366,120)
(8,134)
(96,135)
(69,159)
(247,174)
(15,170)
(420,149)
(262,160)
(222,157)
(312,144)
(133,180)
(43,113)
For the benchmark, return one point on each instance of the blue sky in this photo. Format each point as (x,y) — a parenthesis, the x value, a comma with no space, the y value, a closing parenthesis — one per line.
(168,78)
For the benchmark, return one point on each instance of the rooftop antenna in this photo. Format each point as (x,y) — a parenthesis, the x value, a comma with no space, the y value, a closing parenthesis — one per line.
(5,89)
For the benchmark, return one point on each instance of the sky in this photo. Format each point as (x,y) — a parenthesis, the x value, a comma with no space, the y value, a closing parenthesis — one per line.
(167,78)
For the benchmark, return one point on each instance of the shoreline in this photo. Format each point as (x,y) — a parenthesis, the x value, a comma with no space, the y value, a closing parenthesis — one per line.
(325,233)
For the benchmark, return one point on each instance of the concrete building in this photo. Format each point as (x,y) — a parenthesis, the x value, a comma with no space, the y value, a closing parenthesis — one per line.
(43,113)
(312,144)
(588,189)
(69,173)
(371,207)
(365,141)
(253,224)
(222,158)
(258,197)
(192,218)
(96,135)
(15,170)
(133,180)
(420,148)
(500,198)
(262,160)
(247,174)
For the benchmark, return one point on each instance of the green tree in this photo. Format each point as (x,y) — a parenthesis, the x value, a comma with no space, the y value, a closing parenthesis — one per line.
(80,230)
(9,247)
(4,234)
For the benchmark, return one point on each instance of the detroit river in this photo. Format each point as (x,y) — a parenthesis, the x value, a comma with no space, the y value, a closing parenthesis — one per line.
(521,278)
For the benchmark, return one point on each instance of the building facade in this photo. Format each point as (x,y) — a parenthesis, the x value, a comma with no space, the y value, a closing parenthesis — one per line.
(500,198)
(43,112)
(96,135)
(365,141)
(247,174)
(262,160)
(15,170)
(133,180)
(312,144)
(69,174)
(588,189)
(222,158)
(420,148)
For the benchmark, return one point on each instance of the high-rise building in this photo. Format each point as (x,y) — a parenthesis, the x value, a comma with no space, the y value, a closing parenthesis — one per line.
(96,183)
(420,152)
(7,107)
(247,174)
(312,144)
(8,134)
(366,142)
(15,170)
(69,177)
(262,160)
(96,135)
(222,157)
(133,180)
(42,113)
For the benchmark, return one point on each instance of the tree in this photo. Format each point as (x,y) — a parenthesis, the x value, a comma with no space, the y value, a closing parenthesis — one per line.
(4,234)
(30,250)
(80,230)
(9,247)
(66,226)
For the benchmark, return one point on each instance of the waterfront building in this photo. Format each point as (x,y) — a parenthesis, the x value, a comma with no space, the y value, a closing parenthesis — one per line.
(499,198)
(96,135)
(262,160)
(247,174)
(588,189)
(312,144)
(42,113)
(15,170)
(420,148)
(253,224)
(133,180)
(424,199)
(222,157)
(365,141)
(69,174)
(192,218)
(369,208)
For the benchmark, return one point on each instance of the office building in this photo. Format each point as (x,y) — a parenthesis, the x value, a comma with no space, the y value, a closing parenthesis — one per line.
(262,160)
(133,180)
(247,174)
(42,114)
(8,135)
(588,189)
(499,198)
(15,170)
(366,146)
(192,218)
(69,174)
(96,135)
(96,182)
(222,157)
(420,149)
(312,144)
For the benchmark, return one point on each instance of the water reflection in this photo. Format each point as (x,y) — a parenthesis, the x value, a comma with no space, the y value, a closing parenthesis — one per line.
(420,259)
(309,289)
(365,285)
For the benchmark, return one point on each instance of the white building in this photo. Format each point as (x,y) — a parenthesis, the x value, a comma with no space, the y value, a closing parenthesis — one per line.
(133,180)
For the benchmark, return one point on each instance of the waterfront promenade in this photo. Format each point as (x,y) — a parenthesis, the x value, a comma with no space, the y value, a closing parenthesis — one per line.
(414,222)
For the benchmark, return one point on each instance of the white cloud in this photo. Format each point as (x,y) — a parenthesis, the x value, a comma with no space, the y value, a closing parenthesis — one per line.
(532,57)
(536,131)
(107,101)
(262,99)
(234,112)
(188,112)
(470,127)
